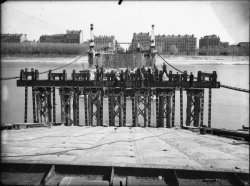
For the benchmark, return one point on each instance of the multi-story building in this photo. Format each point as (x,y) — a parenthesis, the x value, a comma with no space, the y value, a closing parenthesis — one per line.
(224,44)
(141,40)
(184,45)
(244,48)
(105,42)
(71,36)
(13,38)
(210,40)
(211,45)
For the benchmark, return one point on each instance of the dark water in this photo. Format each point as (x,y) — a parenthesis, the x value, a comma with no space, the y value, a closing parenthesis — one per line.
(230,109)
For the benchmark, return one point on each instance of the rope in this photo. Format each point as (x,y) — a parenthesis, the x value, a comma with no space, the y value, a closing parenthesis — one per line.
(223,86)
(17,77)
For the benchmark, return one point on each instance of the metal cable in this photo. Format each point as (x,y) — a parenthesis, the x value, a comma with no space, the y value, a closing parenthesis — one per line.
(223,86)
(16,77)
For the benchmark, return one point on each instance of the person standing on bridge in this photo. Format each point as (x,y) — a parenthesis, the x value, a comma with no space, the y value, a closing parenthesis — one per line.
(191,79)
(164,68)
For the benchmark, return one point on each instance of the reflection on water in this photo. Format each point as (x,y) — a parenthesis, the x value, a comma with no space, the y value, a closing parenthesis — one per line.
(230,109)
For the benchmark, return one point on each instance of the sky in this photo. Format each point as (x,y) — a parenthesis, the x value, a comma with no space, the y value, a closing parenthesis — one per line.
(227,19)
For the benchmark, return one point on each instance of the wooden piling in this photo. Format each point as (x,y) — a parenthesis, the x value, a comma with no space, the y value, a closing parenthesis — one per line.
(124,110)
(197,102)
(26,105)
(121,104)
(86,110)
(189,108)
(54,104)
(98,109)
(173,108)
(110,112)
(48,105)
(202,107)
(149,110)
(133,110)
(168,111)
(90,109)
(136,110)
(34,104)
(101,110)
(157,110)
(181,107)
(161,111)
(209,106)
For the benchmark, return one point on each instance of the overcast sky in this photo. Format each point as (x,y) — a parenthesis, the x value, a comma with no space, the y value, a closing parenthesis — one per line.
(228,19)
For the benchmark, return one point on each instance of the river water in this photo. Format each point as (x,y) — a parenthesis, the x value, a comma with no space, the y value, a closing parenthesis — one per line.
(230,109)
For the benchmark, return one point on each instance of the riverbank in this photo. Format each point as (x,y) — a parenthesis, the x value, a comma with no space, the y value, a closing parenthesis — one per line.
(42,59)
(207,60)
(198,60)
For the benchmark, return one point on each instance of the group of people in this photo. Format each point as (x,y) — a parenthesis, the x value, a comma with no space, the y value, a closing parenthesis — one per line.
(141,74)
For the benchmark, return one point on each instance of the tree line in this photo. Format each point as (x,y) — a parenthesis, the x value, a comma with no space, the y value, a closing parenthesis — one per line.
(43,49)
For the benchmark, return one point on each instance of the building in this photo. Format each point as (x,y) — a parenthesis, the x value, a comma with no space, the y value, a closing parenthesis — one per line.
(171,44)
(210,40)
(224,44)
(211,45)
(105,43)
(13,38)
(141,40)
(71,36)
(244,48)
(185,44)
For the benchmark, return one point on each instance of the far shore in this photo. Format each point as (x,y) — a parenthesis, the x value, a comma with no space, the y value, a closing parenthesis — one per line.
(170,58)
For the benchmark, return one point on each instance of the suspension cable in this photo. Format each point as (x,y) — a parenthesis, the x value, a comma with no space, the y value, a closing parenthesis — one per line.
(57,68)
(223,86)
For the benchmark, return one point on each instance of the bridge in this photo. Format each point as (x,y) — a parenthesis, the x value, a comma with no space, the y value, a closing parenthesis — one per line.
(140,91)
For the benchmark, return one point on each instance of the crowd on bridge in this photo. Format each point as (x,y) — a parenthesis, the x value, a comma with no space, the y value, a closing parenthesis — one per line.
(149,74)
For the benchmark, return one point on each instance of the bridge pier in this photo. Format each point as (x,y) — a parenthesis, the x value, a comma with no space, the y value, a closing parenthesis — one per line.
(43,105)
(141,99)
(165,109)
(194,112)
(94,108)
(66,104)
(117,109)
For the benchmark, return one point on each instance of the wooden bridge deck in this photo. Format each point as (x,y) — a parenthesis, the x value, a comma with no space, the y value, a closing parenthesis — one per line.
(135,147)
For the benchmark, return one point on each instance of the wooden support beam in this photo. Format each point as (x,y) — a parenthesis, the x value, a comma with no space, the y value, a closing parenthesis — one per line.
(101,110)
(136,110)
(34,104)
(189,109)
(202,107)
(48,106)
(109,102)
(26,105)
(98,109)
(197,109)
(209,106)
(76,106)
(157,109)
(121,108)
(181,107)
(168,111)
(124,110)
(90,110)
(112,110)
(133,110)
(86,109)
(161,111)
(173,108)
(145,109)
(54,104)
(149,110)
